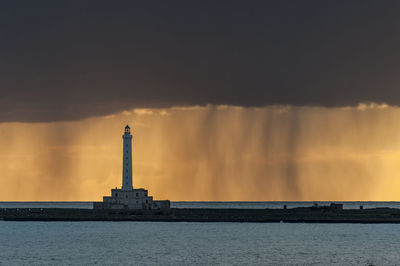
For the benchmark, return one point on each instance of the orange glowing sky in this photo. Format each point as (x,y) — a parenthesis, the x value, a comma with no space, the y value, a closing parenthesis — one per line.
(209,153)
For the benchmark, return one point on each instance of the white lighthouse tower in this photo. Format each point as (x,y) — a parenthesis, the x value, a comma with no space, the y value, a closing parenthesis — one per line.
(126,197)
(127,160)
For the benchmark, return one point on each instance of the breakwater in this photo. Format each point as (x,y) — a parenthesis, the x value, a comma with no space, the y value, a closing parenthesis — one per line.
(300,215)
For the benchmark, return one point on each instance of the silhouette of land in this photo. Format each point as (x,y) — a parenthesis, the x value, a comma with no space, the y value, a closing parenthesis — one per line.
(294,215)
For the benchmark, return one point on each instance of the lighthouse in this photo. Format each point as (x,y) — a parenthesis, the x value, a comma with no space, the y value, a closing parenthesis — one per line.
(127,160)
(126,197)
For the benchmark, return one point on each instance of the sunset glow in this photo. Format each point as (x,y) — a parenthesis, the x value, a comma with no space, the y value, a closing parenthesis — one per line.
(210,153)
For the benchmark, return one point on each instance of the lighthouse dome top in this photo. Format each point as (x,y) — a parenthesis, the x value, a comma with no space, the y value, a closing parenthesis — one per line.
(127,130)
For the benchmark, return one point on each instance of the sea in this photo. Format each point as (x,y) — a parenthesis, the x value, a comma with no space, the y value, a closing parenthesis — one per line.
(182,243)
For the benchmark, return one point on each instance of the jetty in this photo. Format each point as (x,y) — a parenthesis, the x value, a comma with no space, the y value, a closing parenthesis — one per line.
(293,215)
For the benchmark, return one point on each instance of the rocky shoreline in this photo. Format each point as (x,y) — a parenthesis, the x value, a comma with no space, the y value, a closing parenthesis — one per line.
(294,215)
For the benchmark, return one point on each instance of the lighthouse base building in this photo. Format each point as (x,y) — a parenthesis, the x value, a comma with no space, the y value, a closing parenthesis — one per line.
(134,199)
(127,197)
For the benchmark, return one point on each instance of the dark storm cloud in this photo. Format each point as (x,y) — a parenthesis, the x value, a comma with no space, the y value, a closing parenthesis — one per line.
(73,59)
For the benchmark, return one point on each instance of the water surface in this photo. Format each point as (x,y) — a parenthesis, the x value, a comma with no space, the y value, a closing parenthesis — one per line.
(152,243)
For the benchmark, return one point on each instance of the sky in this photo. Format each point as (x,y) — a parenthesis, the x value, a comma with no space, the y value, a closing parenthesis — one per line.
(229,100)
